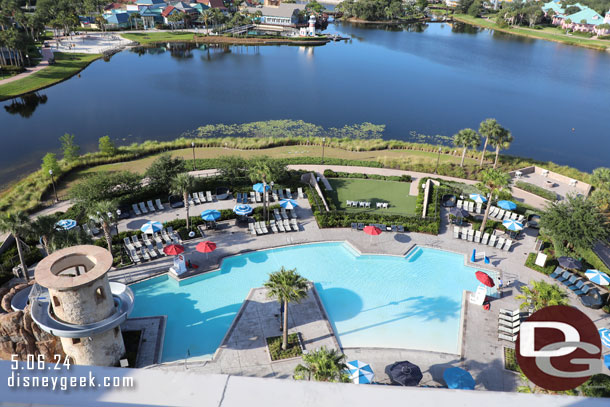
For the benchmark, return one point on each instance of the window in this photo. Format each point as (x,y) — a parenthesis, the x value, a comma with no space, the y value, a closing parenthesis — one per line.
(56,302)
(75,341)
(99,295)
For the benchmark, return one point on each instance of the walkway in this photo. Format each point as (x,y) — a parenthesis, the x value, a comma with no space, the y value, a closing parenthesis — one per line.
(47,55)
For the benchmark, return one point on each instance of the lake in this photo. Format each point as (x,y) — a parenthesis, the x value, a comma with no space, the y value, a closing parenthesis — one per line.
(434,80)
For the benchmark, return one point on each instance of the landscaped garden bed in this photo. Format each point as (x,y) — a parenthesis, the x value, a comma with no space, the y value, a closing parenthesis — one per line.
(294,349)
(510,360)
(536,190)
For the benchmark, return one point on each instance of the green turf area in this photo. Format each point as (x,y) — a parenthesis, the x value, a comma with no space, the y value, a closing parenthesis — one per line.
(64,67)
(163,36)
(373,191)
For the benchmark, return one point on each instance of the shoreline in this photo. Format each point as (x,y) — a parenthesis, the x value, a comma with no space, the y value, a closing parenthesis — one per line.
(213,39)
(354,20)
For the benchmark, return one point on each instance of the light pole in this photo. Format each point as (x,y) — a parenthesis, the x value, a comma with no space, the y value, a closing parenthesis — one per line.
(118,215)
(193,145)
(268,210)
(438,159)
(53,182)
(323,141)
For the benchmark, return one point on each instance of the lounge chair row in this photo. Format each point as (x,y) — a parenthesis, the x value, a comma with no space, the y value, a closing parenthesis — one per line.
(284,214)
(501,214)
(357,204)
(150,248)
(469,206)
(391,228)
(486,239)
(509,323)
(276,226)
(572,281)
(142,207)
(199,197)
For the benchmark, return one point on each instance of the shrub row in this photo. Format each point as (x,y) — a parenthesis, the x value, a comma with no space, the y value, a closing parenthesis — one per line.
(332,174)
(536,190)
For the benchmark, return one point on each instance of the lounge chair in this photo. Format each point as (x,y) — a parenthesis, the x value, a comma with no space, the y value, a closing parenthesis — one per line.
(361,226)
(456,232)
(144,254)
(201,196)
(520,218)
(284,213)
(146,240)
(477,236)
(150,206)
(510,338)
(464,234)
(493,211)
(578,285)
(238,197)
(258,229)
(251,229)
(208,196)
(128,244)
(507,215)
(258,197)
(263,227)
(509,330)
(287,225)
(87,230)
(571,281)
(478,298)
(160,249)
(394,228)
(479,208)
(511,313)
(166,236)
(294,224)
(274,194)
(136,242)
(280,226)
(513,216)
(157,238)
(143,208)
(196,198)
(500,243)
(252,196)
(470,235)
(583,291)
(400,229)
(507,245)
(566,275)
(470,206)
(136,210)
(281,192)
(459,204)
(500,214)
(300,193)
(492,240)
(510,322)
(509,318)
(273,226)
(134,256)
(557,273)
(160,206)
(485,238)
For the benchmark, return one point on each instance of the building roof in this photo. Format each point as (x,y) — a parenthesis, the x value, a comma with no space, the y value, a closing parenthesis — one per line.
(553,5)
(149,2)
(591,16)
(150,11)
(216,4)
(284,10)
(182,6)
(117,18)
(168,10)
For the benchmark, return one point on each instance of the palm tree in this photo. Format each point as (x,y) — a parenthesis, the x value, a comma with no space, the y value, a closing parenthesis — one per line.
(44,228)
(501,140)
(16,224)
(104,212)
(322,365)
(182,185)
(542,295)
(488,128)
(467,138)
(134,18)
(287,286)
(494,183)
(206,16)
(260,170)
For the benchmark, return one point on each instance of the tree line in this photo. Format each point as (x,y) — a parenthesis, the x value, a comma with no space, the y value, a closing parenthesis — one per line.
(382,10)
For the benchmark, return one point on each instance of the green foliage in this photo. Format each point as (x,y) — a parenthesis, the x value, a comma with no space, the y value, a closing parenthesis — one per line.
(49,163)
(536,190)
(332,174)
(106,146)
(322,365)
(378,10)
(106,186)
(275,347)
(266,169)
(475,8)
(163,170)
(597,386)
(510,360)
(69,147)
(231,166)
(542,294)
(551,264)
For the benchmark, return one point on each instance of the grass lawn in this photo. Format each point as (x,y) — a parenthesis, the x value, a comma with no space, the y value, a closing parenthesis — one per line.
(164,36)
(550,34)
(65,66)
(373,191)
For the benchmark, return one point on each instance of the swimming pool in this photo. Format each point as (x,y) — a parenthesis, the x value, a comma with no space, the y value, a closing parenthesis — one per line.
(411,302)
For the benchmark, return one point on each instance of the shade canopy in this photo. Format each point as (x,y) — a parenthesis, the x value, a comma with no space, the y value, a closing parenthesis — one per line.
(512,225)
(457,378)
(508,205)
(598,277)
(288,203)
(478,198)
(460,213)
(205,247)
(372,230)
(569,262)
(173,249)
(151,227)
(66,224)
(604,334)
(242,209)
(210,215)
(485,278)
(405,373)
(360,372)
(260,187)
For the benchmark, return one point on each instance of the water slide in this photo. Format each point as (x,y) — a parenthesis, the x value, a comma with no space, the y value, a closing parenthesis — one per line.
(42,315)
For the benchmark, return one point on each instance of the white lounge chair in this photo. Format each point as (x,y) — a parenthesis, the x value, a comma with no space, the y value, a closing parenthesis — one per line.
(128,244)
(300,193)
(464,234)
(500,214)
(459,204)
(273,226)
(508,330)
(500,243)
(493,211)
(166,236)
(134,256)
(286,225)
(263,227)
(196,198)
(275,197)
(470,206)
(477,236)
(160,206)
(136,210)
(512,318)
(507,215)
(492,240)
(259,197)
(252,196)
(136,242)
(143,207)
(288,193)
(201,196)
(485,238)
(509,312)
(150,205)
(478,298)
(507,245)
(470,235)
(479,207)
(456,232)
(513,216)
(294,224)
(144,253)
(251,228)
(208,195)
(280,225)
(510,338)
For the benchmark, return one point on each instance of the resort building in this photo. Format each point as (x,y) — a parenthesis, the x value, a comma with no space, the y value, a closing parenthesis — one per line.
(283,14)
(117,20)
(584,20)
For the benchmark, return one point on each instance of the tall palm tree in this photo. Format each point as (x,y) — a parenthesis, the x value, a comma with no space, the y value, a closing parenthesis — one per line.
(541,295)
(16,224)
(182,185)
(44,228)
(287,286)
(488,128)
(260,170)
(494,184)
(322,365)
(104,212)
(467,138)
(501,141)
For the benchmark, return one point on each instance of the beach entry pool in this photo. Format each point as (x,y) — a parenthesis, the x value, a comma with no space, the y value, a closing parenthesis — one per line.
(411,302)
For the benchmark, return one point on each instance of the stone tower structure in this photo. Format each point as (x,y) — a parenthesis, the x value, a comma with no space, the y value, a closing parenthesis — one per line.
(80,296)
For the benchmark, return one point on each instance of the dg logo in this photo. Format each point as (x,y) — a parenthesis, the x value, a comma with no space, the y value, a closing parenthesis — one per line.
(559,348)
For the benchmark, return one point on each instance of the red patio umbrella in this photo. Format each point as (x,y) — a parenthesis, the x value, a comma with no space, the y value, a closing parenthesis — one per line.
(484,278)
(206,247)
(372,230)
(173,249)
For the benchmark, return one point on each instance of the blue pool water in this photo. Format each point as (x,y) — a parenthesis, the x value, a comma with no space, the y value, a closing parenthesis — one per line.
(411,302)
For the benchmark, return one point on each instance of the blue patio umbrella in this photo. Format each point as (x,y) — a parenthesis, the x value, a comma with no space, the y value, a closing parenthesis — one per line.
(66,224)
(457,378)
(360,372)
(604,334)
(210,215)
(288,203)
(151,227)
(242,210)
(512,225)
(260,187)
(478,198)
(508,205)
(598,277)
(607,361)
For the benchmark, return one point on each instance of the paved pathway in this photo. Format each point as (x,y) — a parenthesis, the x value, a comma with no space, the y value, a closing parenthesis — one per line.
(47,54)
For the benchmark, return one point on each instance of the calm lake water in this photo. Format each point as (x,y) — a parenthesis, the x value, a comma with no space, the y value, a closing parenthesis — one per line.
(432,80)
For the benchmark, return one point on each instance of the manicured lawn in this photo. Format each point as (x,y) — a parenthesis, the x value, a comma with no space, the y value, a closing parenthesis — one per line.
(149,38)
(369,190)
(65,66)
(549,34)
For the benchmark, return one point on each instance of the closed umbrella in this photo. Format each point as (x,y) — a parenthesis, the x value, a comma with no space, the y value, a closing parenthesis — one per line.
(151,227)
(478,198)
(569,262)
(173,249)
(260,187)
(508,205)
(512,225)
(405,373)
(604,334)
(484,278)
(210,215)
(66,224)
(242,209)
(288,203)
(598,277)
(360,372)
(457,378)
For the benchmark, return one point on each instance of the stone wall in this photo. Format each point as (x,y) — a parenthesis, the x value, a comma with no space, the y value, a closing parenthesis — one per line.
(20,335)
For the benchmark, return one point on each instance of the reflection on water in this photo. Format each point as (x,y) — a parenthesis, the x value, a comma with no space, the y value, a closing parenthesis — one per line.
(25,105)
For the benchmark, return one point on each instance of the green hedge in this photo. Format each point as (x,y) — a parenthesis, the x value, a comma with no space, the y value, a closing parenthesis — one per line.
(551,264)
(332,174)
(536,190)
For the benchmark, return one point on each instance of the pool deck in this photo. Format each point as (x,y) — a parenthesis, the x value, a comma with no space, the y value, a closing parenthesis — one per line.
(482,351)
